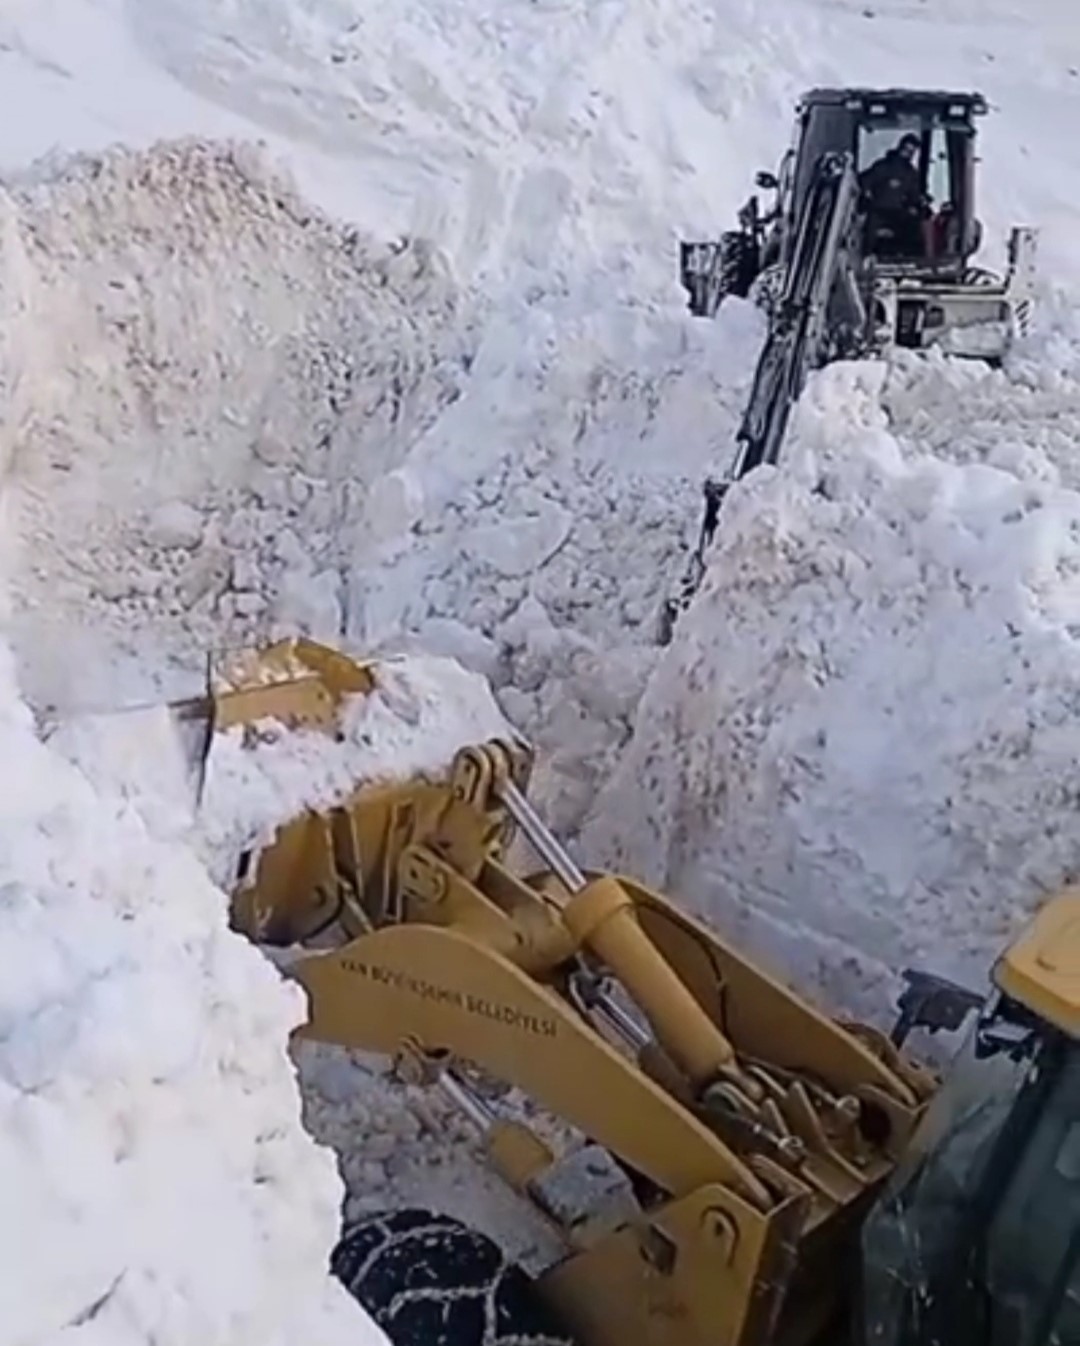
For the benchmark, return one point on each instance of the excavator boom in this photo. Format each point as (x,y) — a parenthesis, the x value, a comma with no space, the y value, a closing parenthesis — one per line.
(800,338)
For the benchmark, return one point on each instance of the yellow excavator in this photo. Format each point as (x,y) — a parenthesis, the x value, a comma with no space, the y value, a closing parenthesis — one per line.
(742,1169)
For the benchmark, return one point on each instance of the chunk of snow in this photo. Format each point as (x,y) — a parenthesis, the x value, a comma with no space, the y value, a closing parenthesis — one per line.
(175,524)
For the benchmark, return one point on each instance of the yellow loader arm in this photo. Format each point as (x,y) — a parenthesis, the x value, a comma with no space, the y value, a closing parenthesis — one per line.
(749,1129)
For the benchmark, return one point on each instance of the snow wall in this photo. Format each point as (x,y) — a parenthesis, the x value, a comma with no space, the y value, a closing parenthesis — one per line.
(158,1185)
(160,375)
(862,750)
(264,421)
(203,377)
(233,417)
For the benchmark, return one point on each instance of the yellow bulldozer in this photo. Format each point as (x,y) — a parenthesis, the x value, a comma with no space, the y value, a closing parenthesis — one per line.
(745,1170)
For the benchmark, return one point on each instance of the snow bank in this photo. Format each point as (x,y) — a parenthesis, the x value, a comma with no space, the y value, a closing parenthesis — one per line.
(232,419)
(203,377)
(862,750)
(158,1185)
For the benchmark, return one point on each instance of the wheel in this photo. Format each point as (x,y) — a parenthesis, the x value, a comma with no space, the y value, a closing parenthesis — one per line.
(739,263)
(429,1280)
(711,271)
(765,291)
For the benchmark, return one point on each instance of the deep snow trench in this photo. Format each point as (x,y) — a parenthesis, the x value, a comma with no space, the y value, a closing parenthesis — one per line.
(227,414)
(858,752)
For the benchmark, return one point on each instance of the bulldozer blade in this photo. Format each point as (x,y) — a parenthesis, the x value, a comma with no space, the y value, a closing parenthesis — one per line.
(295,683)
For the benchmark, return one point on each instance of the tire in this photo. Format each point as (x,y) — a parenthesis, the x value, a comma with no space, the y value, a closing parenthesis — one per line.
(729,266)
(765,291)
(739,264)
(429,1280)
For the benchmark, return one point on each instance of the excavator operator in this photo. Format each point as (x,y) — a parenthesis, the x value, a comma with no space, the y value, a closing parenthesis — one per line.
(896,205)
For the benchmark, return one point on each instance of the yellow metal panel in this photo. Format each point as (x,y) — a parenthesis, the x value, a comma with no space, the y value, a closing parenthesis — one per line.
(1042,969)
(445,991)
(703,1270)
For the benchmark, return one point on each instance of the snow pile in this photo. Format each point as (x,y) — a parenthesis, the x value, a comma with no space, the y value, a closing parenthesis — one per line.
(203,376)
(232,419)
(1025,421)
(513,131)
(395,1146)
(158,1185)
(862,751)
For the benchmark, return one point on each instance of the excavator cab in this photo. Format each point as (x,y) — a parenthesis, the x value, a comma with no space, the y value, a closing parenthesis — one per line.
(977,1237)
(863,125)
(868,125)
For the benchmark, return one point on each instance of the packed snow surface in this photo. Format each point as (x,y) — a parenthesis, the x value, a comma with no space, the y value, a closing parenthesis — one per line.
(235,407)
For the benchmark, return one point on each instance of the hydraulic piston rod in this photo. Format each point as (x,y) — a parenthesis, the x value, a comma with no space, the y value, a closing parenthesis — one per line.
(600,915)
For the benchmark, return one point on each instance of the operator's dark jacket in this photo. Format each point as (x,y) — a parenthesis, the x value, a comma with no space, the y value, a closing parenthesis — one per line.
(892,185)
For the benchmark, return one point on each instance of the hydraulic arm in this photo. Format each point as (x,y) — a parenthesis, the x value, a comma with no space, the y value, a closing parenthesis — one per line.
(705,1084)
(815,316)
